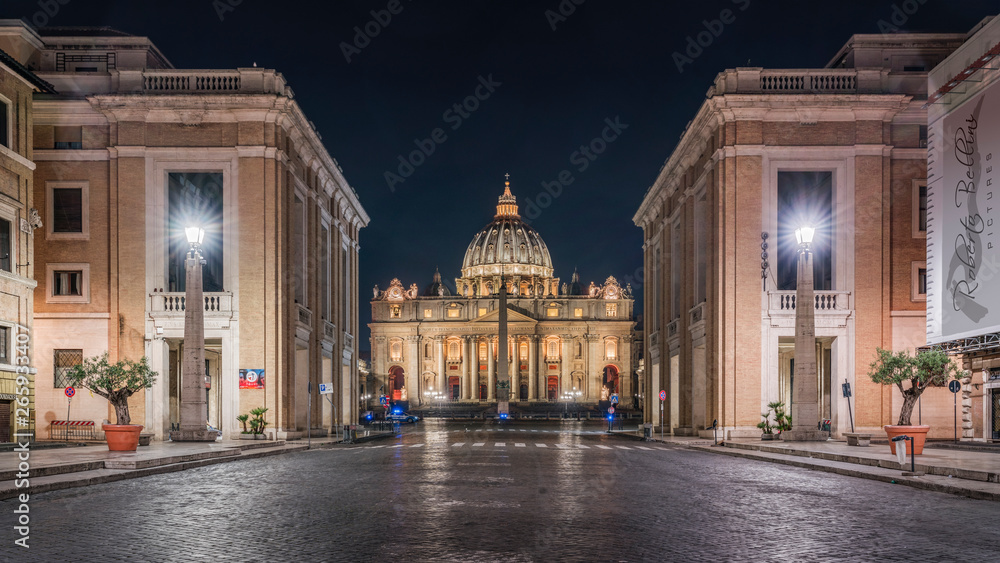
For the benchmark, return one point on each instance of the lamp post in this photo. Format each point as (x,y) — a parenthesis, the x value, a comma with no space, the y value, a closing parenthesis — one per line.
(193,411)
(805,407)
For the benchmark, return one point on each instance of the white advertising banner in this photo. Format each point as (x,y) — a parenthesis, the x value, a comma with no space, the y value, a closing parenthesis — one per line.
(963,221)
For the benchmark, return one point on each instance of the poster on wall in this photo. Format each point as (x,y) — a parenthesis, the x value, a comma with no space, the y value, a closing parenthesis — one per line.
(963,221)
(251,379)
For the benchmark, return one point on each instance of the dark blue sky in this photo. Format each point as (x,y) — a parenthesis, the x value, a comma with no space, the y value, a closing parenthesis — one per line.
(605,60)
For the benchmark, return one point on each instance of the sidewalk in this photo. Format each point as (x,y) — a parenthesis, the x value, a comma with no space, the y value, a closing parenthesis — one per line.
(53,469)
(975,474)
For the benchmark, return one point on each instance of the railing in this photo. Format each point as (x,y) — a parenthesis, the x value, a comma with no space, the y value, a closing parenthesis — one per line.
(187,82)
(329,330)
(672,328)
(552,359)
(348,341)
(170,81)
(697,313)
(792,81)
(175,303)
(824,300)
(305,315)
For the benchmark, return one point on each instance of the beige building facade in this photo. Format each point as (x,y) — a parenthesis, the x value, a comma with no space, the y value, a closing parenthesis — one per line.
(567,342)
(18,221)
(842,148)
(130,152)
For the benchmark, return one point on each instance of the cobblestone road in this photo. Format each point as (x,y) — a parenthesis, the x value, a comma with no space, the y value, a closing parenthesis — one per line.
(524,493)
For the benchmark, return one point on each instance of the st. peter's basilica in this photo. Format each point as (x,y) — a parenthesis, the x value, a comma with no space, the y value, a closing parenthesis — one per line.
(568,342)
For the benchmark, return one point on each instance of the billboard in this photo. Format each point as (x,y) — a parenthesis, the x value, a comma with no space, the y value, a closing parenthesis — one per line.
(963,220)
(251,379)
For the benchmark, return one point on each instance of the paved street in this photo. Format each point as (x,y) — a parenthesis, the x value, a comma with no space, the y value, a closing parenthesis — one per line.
(524,492)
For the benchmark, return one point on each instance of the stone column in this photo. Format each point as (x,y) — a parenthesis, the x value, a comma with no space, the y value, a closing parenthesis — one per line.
(442,379)
(193,411)
(414,391)
(565,384)
(543,378)
(466,369)
(515,372)
(805,390)
(532,368)
(491,382)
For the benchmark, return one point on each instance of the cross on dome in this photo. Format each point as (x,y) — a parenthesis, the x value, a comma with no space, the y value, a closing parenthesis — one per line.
(507,206)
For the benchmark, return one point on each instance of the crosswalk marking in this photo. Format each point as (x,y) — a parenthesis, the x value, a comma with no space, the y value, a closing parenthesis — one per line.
(379,446)
(416,445)
(500,444)
(397,446)
(541,445)
(478,444)
(623,448)
(518,444)
(583,447)
(604,447)
(562,446)
(644,448)
(458,444)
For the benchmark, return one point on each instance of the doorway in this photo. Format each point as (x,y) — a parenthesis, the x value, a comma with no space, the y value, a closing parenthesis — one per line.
(552,388)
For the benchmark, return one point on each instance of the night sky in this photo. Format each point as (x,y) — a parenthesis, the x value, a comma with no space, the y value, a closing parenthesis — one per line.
(550,92)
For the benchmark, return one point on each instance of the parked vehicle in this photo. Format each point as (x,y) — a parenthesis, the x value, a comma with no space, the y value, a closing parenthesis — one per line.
(402,417)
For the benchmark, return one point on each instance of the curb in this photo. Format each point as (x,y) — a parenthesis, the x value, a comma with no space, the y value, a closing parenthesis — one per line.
(915,482)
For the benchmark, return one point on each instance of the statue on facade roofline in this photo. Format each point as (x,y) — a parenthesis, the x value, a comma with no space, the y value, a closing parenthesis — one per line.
(375,292)
(593,290)
(413,291)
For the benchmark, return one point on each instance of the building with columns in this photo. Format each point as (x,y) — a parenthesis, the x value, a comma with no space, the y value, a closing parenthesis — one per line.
(130,152)
(843,147)
(566,342)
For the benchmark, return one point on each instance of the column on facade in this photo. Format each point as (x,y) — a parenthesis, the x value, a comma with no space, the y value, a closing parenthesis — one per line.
(594,367)
(565,383)
(466,368)
(625,375)
(532,368)
(543,379)
(492,373)
(515,370)
(442,378)
(411,378)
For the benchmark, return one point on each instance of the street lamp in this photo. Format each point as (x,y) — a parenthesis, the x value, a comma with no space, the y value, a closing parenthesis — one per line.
(194,404)
(805,389)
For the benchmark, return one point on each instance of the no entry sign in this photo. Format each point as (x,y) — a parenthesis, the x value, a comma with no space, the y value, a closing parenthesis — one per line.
(70,392)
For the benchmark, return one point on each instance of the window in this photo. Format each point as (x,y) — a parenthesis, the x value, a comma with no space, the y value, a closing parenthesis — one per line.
(67,282)
(68,137)
(394,312)
(67,210)
(5,245)
(804,197)
(918,291)
(62,362)
(5,345)
(578,312)
(324,272)
(396,351)
(523,350)
(453,353)
(482,350)
(482,311)
(922,136)
(453,313)
(920,208)
(552,312)
(5,121)
(611,309)
(610,349)
(427,350)
(428,313)
(195,198)
(299,243)
(553,349)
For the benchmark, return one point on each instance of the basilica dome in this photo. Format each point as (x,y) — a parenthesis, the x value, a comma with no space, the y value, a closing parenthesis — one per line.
(509,243)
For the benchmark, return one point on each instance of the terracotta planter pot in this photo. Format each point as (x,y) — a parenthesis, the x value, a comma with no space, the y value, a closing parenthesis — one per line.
(122,437)
(918,433)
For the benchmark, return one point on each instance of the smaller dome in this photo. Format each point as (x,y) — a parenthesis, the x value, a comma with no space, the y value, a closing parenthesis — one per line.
(437,287)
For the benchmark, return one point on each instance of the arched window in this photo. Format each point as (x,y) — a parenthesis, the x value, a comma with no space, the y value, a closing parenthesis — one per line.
(396,350)
(453,353)
(427,350)
(524,350)
(611,348)
(553,348)
(483,350)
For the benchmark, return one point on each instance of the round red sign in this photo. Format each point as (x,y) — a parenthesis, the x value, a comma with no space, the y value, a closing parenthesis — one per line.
(70,391)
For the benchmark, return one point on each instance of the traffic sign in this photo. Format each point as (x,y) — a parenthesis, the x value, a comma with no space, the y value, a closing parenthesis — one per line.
(325,388)
(70,392)
(663,395)
(383,400)
(614,398)
(611,410)
(954,386)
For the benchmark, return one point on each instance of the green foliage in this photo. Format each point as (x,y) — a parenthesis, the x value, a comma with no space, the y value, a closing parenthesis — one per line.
(243,420)
(257,423)
(115,382)
(928,368)
(782,420)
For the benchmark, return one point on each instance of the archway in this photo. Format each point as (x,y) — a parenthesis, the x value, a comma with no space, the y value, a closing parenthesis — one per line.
(610,381)
(552,388)
(397,384)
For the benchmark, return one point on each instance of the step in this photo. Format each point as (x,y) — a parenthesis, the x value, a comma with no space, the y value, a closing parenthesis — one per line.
(959,473)
(144,462)
(255,444)
(48,470)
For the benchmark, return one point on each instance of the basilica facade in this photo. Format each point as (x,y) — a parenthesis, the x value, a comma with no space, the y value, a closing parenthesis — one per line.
(567,342)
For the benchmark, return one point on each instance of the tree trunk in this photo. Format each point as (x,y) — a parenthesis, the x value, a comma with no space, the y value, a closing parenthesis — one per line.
(121,410)
(909,399)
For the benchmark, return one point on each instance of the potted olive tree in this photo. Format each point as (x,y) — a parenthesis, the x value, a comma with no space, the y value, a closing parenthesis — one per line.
(115,382)
(927,368)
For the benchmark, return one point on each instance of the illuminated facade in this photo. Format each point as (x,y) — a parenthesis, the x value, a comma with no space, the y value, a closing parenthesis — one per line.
(842,147)
(566,342)
(131,151)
